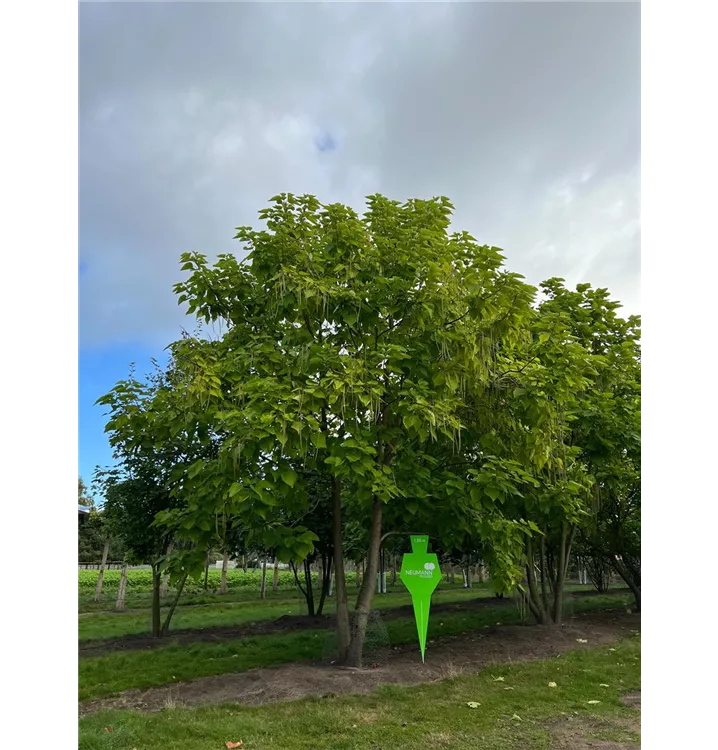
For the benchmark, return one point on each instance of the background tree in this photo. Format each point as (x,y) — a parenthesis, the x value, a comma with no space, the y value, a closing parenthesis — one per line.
(83,494)
(607,427)
(153,454)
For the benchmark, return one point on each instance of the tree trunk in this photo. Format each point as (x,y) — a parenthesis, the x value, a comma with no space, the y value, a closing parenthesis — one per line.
(263,584)
(156,583)
(244,564)
(168,619)
(393,570)
(452,578)
(120,603)
(275,577)
(343,635)
(598,571)
(206,570)
(551,571)
(166,577)
(630,581)
(361,617)
(305,594)
(309,587)
(534,600)
(542,568)
(382,578)
(480,573)
(101,574)
(225,565)
(564,556)
(326,581)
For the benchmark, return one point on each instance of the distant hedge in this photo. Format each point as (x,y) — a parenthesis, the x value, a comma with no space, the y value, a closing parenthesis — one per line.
(140,581)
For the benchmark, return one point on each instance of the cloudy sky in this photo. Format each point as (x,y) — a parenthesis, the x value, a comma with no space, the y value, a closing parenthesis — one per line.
(526,115)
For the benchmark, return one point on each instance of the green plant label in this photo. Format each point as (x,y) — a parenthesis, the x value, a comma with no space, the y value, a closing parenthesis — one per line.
(420,573)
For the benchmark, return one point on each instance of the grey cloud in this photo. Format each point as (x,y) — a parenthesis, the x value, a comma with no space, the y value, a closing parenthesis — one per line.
(192,115)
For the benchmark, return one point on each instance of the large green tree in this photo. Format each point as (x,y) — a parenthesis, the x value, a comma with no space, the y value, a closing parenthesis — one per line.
(351,345)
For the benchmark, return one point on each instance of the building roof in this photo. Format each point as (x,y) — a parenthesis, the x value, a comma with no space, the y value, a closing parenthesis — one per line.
(83,509)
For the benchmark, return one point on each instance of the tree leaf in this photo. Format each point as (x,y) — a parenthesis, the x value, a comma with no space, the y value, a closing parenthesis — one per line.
(289,476)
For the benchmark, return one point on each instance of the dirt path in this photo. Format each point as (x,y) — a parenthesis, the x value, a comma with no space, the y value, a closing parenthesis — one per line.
(445,658)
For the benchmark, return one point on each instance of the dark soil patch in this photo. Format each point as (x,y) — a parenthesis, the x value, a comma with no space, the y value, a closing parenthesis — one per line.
(282,624)
(261,627)
(446,657)
(578,733)
(632,700)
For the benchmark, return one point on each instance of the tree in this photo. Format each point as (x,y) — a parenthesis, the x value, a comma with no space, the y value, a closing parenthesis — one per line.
(152,459)
(131,505)
(607,427)
(92,537)
(318,518)
(83,494)
(351,343)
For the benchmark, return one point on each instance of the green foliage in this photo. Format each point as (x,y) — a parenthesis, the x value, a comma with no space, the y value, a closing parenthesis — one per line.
(352,346)
(397,364)
(91,541)
(83,494)
(154,456)
(607,427)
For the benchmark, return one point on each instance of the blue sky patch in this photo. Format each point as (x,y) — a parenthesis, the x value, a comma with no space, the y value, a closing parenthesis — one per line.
(326,142)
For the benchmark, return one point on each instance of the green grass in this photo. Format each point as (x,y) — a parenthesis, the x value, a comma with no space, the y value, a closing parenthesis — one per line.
(111,625)
(196,596)
(242,606)
(107,675)
(143,599)
(405,718)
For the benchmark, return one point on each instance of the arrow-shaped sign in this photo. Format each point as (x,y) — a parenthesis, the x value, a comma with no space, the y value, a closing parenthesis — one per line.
(420,573)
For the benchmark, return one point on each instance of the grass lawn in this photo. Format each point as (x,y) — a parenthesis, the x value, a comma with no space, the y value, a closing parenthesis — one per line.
(406,718)
(143,600)
(113,673)
(112,625)
(242,606)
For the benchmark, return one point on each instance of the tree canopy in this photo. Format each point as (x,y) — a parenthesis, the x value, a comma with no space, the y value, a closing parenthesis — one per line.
(386,371)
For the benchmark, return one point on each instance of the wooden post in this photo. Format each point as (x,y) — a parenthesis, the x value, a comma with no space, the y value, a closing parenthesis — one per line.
(101,574)
(275,578)
(166,577)
(120,603)
(206,570)
(263,585)
(223,584)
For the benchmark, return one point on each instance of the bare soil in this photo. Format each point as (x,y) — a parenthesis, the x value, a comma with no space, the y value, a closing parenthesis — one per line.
(213,634)
(581,734)
(446,657)
(574,733)
(261,627)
